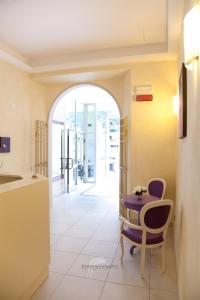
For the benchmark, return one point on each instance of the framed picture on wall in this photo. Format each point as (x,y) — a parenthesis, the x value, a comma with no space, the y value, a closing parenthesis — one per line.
(183,102)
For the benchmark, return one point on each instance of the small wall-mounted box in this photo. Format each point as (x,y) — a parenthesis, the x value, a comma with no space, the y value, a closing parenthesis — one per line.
(4,144)
(143,93)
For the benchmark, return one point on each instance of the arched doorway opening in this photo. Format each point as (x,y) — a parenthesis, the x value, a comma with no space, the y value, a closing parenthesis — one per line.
(84,142)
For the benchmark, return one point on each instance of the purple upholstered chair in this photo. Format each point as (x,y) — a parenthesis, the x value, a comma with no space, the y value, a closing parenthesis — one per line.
(156,187)
(154,221)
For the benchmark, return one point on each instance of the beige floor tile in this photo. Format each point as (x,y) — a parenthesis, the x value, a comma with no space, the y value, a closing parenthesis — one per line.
(127,254)
(80,232)
(163,281)
(54,238)
(107,235)
(162,295)
(74,288)
(65,219)
(170,257)
(101,209)
(100,248)
(92,267)
(59,228)
(74,245)
(113,291)
(85,205)
(136,253)
(47,288)
(128,272)
(110,224)
(86,231)
(77,212)
(89,222)
(95,215)
(61,261)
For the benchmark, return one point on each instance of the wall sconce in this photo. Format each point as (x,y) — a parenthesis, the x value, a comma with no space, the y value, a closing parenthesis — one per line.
(175,105)
(191,36)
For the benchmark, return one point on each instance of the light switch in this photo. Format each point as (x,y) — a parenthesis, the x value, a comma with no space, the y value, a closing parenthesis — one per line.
(4,144)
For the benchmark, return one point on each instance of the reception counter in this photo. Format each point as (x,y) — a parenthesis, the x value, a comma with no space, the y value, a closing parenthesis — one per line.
(24,235)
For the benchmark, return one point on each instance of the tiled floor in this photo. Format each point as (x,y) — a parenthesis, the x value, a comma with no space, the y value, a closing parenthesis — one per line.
(85,234)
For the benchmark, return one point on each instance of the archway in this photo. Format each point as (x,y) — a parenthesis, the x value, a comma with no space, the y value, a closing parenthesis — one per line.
(84,130)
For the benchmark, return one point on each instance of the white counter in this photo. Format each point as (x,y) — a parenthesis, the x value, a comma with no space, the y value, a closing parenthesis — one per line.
(25,179)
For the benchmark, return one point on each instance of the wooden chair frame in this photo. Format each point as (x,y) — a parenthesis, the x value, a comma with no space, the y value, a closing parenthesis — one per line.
(145,229)
(158,179)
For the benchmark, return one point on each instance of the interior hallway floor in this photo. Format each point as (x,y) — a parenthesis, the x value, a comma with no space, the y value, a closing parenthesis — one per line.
(85,256)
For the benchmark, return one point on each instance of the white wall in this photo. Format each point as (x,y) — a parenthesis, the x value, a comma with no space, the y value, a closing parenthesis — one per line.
(126,108)
(154,126)
(22,101)
(187,223)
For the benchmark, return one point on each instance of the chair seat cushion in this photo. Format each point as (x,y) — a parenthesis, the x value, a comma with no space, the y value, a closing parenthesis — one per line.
(135,235)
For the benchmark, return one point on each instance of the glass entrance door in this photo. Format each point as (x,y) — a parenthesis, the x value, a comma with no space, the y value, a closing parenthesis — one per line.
(57,150)
(77,155)
(80,140)
(74,170)
(58,157)
(90,143)
(70,159)
(80,162)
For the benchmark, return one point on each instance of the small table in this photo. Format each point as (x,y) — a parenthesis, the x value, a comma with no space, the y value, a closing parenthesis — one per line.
(135,202)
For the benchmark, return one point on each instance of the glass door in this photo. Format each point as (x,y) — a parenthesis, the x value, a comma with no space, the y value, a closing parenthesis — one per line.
(80,140)
(57,150)
(70,159)
(75,151)
(73,159)
(90,143)
(80,162)
(58,157)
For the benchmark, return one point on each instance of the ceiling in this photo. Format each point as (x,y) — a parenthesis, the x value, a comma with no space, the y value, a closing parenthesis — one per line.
(48,34)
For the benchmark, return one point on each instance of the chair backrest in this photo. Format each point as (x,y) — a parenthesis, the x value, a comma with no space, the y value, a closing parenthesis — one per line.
(156,215)
(156,187)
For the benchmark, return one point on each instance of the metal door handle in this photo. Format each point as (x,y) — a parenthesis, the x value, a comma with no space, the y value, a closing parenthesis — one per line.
(69,163)
(72,163)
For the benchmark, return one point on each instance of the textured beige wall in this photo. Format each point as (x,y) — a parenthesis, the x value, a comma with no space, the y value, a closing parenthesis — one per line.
(154,126)
(187,222)
(22,101)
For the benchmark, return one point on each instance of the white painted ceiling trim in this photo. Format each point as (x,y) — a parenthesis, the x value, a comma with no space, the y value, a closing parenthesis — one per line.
(12,57)
(124,55)
(93,59)
(101,57)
